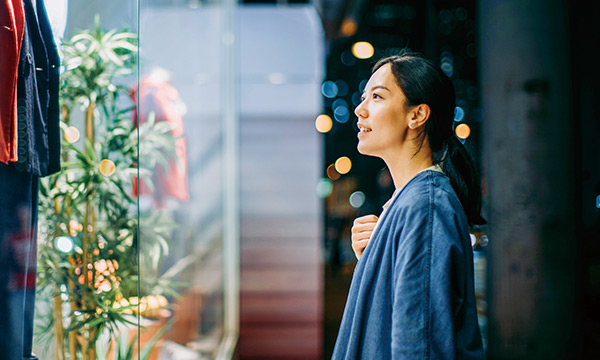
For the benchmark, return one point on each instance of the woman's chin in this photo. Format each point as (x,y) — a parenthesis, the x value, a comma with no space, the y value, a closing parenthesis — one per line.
(364,150)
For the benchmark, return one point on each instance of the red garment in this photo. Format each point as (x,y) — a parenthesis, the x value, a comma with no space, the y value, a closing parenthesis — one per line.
(12,22)
(161,98)
(23,270)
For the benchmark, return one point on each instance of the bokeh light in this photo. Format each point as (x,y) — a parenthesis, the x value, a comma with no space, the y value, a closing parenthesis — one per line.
(357,199)
(347,58)
(332,173)
(356,98)
(342,87)
(341,114)
(483,240)
(447,68)
(461,13)
(343,165)
(107,167)
(362,85)
(349,27)
(329,89)
(447,60)
(63,244)
(72,134)
(463,131)
(323,123)
(459,114)
(363,50)
(598,201)
(339,102)
(324,188)
(473,239)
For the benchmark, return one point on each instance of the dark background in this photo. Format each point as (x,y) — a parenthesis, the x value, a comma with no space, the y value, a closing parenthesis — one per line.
(526,75)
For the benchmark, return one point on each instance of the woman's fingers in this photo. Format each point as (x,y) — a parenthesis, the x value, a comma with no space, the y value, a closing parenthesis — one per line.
(359,246)
(363,227)
(364,223)
(365,219)
(361,233)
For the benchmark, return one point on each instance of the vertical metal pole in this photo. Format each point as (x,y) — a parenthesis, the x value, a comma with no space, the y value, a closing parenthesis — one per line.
(528,146)
(231,192)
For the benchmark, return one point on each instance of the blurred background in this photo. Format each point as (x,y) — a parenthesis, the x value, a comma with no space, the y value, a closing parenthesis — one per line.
(240,224)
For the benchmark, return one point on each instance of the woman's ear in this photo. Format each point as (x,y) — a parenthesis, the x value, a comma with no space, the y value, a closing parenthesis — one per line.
(419,115)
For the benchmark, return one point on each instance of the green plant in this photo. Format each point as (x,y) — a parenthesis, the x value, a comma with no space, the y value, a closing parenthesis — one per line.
(124,348)
(89,238)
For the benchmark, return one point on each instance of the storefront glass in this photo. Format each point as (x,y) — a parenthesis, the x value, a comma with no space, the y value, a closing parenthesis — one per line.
(137,233)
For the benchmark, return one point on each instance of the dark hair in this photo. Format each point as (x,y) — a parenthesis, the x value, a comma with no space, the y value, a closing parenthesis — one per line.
(424,83)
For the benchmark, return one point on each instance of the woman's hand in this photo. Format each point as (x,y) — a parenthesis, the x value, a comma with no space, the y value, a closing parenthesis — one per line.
(361,233)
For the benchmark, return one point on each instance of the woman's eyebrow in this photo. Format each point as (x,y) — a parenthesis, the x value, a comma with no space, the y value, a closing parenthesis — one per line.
(375,87)
(379,87)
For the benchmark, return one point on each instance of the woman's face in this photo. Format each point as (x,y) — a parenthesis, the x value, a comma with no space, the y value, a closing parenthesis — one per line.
(382,116)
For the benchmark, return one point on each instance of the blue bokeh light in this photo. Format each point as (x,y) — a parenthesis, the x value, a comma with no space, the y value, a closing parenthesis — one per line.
(329,89)
(341,114)
(459,114)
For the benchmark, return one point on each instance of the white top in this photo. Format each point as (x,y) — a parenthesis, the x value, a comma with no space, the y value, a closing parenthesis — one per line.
(396,192)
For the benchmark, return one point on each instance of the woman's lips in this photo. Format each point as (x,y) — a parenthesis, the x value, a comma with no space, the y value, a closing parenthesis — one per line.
(363,131)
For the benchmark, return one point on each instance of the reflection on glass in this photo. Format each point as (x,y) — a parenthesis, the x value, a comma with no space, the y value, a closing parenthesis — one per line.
(181,200)
(87,260)
(131,257)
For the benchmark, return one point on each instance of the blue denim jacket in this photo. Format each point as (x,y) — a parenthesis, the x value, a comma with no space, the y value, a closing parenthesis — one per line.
(412,294)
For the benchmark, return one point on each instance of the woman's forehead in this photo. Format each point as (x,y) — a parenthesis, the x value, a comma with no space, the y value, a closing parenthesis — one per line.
(383,77)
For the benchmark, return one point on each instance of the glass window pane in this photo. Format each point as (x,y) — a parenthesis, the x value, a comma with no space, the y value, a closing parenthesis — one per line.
(87,273)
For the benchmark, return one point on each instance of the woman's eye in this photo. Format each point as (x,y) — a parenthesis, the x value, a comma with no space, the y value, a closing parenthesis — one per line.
(376,96)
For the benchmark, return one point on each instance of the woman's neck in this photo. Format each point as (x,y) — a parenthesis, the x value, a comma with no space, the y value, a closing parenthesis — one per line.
(405,166)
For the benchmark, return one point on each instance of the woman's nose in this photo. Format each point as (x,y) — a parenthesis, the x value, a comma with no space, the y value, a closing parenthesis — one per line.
(360,111)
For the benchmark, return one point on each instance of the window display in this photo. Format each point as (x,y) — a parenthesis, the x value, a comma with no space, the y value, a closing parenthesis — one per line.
(135,243)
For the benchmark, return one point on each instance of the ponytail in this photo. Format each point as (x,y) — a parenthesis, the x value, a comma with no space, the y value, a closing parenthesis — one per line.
(457,164)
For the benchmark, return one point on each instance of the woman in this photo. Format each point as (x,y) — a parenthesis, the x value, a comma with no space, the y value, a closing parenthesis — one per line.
(412,293)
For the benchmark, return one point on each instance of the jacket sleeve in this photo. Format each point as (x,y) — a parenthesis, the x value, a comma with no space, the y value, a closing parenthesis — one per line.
(422,300)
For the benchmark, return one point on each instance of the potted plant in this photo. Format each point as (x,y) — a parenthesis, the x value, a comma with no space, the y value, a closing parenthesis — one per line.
(89,281)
